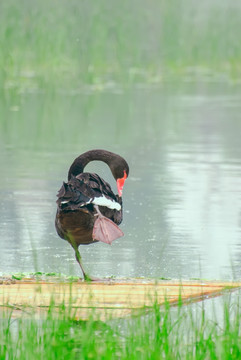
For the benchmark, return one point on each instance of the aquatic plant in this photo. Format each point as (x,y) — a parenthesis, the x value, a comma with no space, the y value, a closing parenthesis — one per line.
(163,333)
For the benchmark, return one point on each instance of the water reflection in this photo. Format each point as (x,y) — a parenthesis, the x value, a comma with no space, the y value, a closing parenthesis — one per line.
(181,201)
(207,207)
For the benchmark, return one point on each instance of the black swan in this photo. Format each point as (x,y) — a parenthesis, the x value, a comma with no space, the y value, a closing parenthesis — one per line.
(87,209)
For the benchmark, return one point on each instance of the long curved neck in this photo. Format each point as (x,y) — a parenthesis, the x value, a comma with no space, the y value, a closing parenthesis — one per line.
(81,161)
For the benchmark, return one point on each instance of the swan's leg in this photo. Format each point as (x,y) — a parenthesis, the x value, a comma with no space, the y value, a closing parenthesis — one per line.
(98,211)
(77,255)
(78,258)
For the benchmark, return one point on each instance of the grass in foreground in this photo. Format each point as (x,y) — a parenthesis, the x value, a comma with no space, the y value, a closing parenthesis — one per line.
(163,333)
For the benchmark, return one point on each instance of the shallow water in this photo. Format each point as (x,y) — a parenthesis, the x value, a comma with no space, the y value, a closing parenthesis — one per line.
(181,201)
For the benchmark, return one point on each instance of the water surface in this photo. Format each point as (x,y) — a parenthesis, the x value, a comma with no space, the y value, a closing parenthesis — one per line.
(182,198)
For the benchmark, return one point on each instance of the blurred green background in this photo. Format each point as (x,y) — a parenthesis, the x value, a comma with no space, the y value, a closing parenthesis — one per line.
(68,48)
(65,45)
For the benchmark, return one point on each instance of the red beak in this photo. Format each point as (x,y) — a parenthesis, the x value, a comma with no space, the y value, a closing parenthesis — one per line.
(120,183)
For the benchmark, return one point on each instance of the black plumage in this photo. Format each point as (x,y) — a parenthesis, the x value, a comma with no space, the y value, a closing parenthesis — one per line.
(87,209)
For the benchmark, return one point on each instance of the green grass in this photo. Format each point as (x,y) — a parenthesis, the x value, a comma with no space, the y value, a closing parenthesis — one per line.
(67,44)
(163,333)
(69,59)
